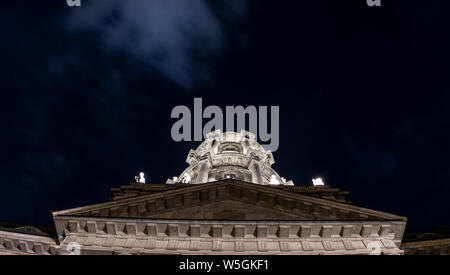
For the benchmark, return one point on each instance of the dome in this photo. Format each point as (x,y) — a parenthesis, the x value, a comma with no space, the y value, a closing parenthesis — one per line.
(230,155)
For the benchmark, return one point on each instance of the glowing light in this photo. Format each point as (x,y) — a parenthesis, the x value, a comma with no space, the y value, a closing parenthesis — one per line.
(175,178)
(318,182)
(186,178)
(140,178)
(274,180)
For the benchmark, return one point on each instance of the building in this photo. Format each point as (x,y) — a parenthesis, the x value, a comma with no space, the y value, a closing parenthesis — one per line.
(228,201)
(435,242)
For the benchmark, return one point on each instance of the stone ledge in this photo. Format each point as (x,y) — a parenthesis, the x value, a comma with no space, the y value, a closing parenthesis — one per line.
(205,246)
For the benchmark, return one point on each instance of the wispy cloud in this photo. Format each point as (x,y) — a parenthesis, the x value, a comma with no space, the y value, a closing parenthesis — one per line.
(176,39)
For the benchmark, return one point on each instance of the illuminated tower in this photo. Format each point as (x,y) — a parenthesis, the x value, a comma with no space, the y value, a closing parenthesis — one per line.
(228,201)
(230,155)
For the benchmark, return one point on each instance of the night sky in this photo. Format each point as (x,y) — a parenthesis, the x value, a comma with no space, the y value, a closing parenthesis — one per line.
(87,93)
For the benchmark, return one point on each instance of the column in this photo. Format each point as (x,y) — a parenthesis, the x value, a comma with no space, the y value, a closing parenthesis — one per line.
(203,171)
(255,168)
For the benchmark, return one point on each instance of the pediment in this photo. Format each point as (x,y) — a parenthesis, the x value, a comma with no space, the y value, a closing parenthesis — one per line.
(230,209)
(228,200)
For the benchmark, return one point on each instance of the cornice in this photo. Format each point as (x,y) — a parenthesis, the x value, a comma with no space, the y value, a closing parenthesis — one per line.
(237,190)
(20,243)
(291,230)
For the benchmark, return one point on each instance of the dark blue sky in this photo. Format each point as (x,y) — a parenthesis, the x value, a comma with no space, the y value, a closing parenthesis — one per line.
(87,93)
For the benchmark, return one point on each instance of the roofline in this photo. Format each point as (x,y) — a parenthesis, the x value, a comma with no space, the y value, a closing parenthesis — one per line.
(194,187)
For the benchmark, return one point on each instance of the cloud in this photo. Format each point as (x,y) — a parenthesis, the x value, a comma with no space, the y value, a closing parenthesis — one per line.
(81,98)
(175,39)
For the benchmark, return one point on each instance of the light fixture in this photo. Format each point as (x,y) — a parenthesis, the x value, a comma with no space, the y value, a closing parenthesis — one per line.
(274,180)
(186,178)
(318,182)
(140,178)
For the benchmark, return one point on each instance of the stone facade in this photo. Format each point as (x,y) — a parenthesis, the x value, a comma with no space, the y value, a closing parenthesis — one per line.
(22,239)
(224,217)
(427,243)
(229,217)
(228,201)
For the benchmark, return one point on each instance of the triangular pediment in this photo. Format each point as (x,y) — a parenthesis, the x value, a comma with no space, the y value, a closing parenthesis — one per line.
(230,209)
(228,200)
